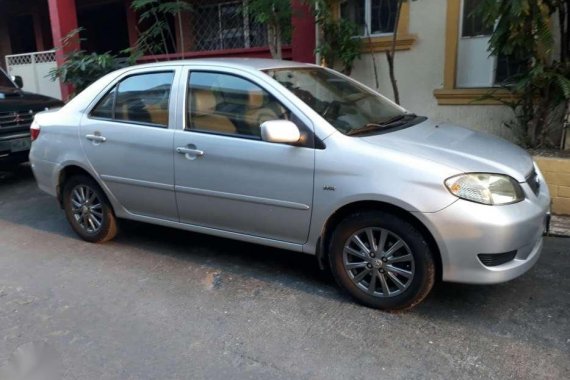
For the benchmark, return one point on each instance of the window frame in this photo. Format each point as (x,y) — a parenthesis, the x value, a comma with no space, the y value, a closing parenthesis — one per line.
(450,94)
(114,86)
(301,121)
(368,20)
(494,59)
(383,42)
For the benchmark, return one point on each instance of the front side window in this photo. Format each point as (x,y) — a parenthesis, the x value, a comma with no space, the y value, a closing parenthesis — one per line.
(346,105)
(141,98)
(225,103)
(373,17)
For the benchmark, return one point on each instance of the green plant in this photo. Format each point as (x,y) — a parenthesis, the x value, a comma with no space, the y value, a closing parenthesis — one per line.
(276,14)
(336,40)
(522,32)
(80,68)
(157,37)
(339,45)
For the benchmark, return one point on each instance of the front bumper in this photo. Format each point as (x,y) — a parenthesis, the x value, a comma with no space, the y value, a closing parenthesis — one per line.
(466,229)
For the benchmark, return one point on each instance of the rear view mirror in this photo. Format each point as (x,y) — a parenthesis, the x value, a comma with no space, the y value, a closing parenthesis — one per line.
(18,80)
(280,131)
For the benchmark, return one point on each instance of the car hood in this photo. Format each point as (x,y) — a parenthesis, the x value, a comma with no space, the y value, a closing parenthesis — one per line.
(16,100)
(459,148)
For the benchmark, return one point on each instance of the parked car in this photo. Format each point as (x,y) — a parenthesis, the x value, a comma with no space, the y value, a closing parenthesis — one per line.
(17,110)
(299,157)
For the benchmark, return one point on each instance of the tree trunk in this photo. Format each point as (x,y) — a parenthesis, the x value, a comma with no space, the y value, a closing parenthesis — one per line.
(390,59)
(180,31)
(392,52)
(274,40)
(565,125)
(374,66)
(279,53)
(274,35)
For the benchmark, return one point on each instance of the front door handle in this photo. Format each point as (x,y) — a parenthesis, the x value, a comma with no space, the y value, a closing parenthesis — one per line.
(190,152)
(96,138)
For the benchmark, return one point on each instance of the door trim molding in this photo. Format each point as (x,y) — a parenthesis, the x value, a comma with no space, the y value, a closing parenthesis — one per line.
(137,182)
(242,198)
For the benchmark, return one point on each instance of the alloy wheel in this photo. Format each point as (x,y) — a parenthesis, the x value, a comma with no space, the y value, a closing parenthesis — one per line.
(87,208)
(379,262)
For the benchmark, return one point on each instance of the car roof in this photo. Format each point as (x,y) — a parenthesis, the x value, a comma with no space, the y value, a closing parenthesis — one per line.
(239,63)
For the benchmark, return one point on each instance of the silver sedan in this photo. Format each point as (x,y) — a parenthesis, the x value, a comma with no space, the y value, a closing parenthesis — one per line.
(299,157)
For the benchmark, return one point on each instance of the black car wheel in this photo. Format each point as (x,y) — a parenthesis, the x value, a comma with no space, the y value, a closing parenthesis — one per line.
(88,210)
(382,260)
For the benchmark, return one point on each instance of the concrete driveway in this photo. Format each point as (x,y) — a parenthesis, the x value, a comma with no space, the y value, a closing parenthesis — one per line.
(158,303)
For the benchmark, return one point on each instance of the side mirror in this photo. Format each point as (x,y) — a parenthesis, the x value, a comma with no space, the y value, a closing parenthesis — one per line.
(280,131)
(19,81)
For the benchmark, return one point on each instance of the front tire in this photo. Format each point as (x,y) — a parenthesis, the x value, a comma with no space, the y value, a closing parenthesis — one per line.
(382,260)
(88,211)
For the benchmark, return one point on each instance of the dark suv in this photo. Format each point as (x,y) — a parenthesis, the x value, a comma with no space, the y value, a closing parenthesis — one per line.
(17,110)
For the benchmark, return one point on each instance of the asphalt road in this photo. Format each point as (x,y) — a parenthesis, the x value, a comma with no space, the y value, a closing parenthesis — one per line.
(158,303)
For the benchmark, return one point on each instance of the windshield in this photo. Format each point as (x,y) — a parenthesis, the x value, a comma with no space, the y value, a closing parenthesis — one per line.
(5,81)
(347,106)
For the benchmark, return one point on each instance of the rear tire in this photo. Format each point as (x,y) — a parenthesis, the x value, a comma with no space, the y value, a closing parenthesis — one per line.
(88,210)
(382,261)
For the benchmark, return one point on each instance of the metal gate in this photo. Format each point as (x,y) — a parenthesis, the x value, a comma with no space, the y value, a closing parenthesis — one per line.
(34,69)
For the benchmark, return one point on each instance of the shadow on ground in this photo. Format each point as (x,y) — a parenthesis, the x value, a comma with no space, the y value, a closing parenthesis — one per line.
(14,174)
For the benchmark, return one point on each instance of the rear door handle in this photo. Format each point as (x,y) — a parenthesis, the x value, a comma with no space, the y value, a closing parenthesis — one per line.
(96,138)
(190,151)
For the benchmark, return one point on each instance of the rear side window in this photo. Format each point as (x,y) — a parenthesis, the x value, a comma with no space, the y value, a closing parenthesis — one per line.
(104,108)
(139,99)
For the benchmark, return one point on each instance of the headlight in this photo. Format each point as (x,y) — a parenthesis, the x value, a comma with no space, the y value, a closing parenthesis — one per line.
(489,189)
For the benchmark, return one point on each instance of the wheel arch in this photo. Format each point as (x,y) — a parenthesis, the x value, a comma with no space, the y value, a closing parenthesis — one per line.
(367,206)
(67,172)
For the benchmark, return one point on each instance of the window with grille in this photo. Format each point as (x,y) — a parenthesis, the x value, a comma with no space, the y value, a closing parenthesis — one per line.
(226,25)
(373,17)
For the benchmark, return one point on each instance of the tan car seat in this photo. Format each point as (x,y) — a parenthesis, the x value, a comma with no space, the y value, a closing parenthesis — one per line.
(158,115)
(257,111)
(204,115)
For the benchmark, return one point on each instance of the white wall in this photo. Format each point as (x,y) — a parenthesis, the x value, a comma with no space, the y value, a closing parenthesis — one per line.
(34,68)
(419,71)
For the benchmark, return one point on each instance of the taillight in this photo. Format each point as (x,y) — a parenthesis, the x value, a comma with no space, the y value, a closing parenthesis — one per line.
(34,130)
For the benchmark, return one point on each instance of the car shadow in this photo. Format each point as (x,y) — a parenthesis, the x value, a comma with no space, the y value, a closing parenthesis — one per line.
(13,174)
(291,269)
(297,270)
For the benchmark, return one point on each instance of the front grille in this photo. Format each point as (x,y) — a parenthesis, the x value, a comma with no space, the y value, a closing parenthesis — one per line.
(16,119)
(533,181)
(494,259)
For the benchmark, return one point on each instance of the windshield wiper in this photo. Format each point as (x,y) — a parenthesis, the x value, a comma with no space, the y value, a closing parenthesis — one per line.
(395,121)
